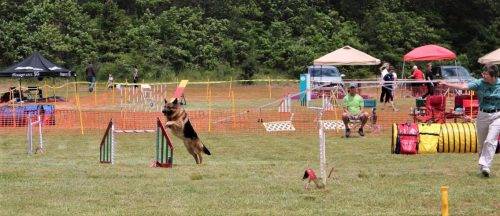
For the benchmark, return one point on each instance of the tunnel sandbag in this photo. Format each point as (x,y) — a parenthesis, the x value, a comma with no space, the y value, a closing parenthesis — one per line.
(457,138)
(406,141)
(428,138)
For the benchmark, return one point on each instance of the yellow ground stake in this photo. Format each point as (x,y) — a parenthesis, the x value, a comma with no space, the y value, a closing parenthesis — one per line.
(444,200)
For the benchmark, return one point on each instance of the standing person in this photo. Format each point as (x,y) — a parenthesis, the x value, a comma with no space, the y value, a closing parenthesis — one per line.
(395,75)
(488,119)
(135,76)
(111,83)
(429,76)
(388,88)
(416,75)
(383,72)
(90,71)
(353,105)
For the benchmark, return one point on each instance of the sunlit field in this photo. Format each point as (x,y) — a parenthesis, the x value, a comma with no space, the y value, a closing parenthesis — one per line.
(246,175)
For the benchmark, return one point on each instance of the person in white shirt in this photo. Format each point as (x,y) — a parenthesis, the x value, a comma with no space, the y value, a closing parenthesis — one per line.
(384,71)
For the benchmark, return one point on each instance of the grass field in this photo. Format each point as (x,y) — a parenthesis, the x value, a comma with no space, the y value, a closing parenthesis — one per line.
(246,175)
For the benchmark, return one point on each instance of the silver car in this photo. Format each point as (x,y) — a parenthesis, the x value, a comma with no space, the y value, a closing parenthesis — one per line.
(325,75)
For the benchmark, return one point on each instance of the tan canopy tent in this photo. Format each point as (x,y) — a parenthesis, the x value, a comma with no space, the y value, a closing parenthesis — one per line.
(491,58)
(346,56)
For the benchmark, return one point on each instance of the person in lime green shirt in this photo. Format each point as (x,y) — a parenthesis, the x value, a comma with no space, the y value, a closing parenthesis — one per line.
(353,110)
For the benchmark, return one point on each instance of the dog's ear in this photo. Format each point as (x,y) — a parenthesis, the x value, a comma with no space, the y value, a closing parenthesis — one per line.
(165,100)
(175,102)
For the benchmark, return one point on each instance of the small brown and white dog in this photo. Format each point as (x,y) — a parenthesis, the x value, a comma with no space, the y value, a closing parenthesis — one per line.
(178,122)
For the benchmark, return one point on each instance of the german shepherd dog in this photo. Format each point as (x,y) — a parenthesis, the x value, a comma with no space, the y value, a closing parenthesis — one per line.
(179,124)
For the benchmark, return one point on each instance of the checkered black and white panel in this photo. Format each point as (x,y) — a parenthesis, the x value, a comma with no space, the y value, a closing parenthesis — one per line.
(279,126)
(332,124)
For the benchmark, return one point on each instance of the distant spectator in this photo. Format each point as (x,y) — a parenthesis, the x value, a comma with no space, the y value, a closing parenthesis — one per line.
(90,71)
(135,76)
(388,88)
(429,76)
(383,72)
(111,83)
(416,75)
(394,87)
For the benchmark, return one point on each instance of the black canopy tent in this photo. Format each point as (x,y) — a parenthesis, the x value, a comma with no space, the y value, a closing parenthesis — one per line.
(36,66)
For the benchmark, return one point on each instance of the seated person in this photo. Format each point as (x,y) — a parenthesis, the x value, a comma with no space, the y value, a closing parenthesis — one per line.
(353,104)
(6,97)
(13,95)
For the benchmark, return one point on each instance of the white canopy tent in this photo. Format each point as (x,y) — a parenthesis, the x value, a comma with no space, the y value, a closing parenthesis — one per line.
(490,58)
(346,56)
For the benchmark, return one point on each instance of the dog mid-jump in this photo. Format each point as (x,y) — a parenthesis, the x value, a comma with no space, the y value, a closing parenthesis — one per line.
(178,122)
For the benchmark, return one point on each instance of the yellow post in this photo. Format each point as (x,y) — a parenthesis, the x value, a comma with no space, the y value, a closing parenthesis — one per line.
(471,94)
(78,105)
(230,86)
(46,93)
(208,87)
(67,89)
(269,78)
(36,97)
(209,110)
(76,92)
(444,200)
(54,91)
(233,109)
(95,94)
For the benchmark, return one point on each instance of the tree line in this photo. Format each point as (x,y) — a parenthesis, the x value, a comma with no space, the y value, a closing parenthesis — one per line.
(243,39)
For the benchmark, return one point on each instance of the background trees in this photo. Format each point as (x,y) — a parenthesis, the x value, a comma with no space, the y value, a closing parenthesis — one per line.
(222,38)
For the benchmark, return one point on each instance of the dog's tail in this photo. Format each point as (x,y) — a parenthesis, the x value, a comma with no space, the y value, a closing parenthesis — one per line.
(206,151)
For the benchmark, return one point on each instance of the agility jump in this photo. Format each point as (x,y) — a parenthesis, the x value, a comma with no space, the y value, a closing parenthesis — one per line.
(29,135)
(164,147)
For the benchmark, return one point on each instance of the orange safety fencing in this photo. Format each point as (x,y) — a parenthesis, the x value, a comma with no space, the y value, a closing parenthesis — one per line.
(214,107)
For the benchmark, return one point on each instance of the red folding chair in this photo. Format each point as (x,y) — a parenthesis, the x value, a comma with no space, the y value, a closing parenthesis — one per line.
(435,107)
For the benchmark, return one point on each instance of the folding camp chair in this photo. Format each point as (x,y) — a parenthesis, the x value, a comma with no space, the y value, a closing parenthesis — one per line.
(434,110)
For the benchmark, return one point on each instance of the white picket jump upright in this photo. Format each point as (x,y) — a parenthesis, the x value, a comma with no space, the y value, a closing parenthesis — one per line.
(29,135)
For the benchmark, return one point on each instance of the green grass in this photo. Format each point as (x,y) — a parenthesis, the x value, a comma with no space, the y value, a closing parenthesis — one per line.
(246,175)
